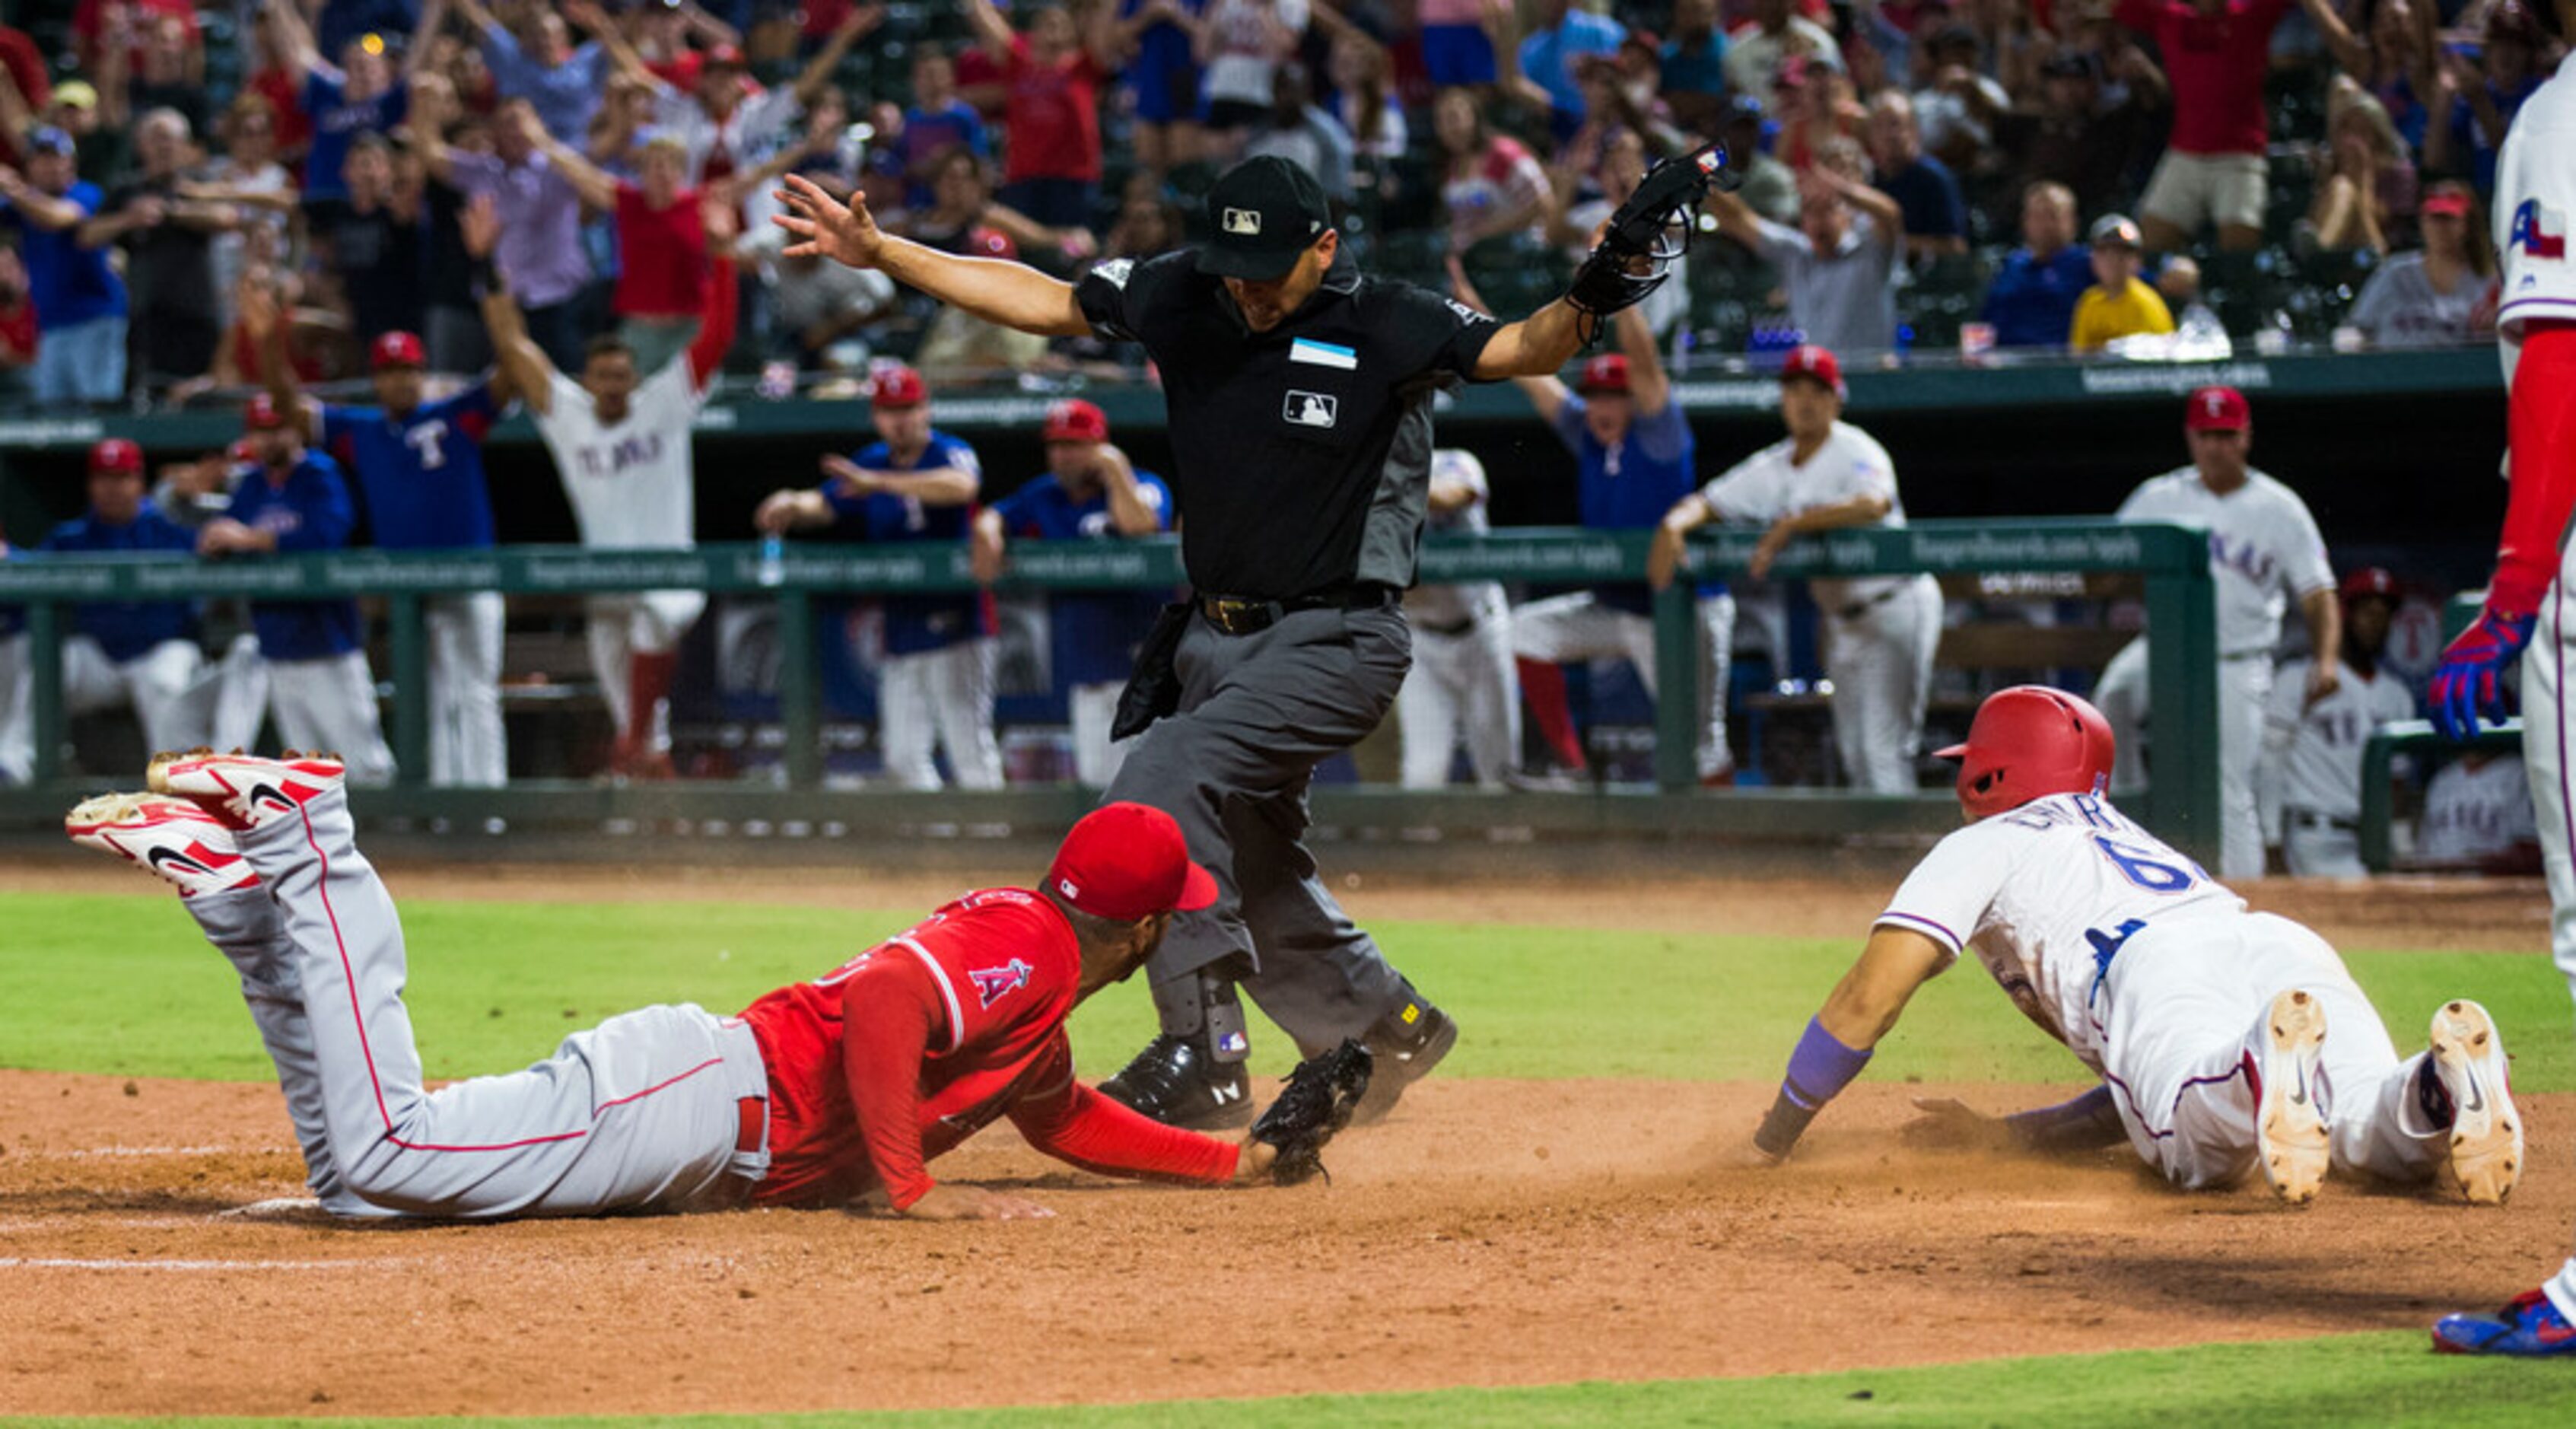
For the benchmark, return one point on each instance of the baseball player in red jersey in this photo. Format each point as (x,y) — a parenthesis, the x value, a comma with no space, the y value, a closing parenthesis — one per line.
(826,1092)
(2530,614)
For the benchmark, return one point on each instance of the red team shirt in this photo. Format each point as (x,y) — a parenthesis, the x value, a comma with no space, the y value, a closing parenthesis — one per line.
(2217,64)
(926,1038)
(1053,114)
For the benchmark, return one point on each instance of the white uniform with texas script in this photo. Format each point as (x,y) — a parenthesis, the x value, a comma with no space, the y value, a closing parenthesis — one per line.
(2309,784)
(2474,810)
(2264,552)
(633,486)
(2159,981)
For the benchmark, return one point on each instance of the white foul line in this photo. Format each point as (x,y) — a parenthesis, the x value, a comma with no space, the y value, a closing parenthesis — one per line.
(31,1263)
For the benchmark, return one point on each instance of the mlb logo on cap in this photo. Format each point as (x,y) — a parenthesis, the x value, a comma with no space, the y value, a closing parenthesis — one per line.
(1126,861)
(1266,212)
(398,349)
(1242,220)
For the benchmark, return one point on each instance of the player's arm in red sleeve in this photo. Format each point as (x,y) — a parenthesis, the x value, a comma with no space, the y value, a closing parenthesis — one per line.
(2544,468)
(715,329)
(890,1013)
(1073,1123)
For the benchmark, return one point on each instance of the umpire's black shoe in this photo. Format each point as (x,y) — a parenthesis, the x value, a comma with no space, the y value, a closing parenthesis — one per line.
(1408,1042)
(1177,1082)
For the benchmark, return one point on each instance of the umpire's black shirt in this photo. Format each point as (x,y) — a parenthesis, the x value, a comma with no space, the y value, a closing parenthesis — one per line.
(1302,454)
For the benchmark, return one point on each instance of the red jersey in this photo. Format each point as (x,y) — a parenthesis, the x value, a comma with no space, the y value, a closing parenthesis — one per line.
(663,256)
(1053,116)
(923,1040)
(2217,64)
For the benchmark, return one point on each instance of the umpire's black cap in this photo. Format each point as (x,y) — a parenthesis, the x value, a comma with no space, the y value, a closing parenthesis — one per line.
(1262,213)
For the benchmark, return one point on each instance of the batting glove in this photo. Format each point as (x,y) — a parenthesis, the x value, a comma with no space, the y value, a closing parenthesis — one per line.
(2464,684)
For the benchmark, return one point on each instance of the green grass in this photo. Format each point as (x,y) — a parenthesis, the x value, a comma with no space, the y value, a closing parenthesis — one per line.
(124,985)
(2346,1379)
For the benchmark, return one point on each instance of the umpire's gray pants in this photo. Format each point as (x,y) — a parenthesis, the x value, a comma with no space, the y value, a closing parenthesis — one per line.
(1257,713)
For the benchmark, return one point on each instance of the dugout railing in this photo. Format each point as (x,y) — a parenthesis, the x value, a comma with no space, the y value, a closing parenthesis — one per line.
(2171,564)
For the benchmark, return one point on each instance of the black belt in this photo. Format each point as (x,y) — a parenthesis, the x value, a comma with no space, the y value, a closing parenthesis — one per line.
(2310,819)
(1450,628)
(1236,615)
(1859,608)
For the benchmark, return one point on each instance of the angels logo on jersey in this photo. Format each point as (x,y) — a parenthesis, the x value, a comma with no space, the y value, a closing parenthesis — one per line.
(993,983)
(2539,232)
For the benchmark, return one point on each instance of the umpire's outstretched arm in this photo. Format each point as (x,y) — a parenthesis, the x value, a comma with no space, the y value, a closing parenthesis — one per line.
(1015,295)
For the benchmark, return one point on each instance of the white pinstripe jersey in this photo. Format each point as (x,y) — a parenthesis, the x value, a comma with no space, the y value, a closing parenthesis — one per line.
(2039,892)
(2535,195)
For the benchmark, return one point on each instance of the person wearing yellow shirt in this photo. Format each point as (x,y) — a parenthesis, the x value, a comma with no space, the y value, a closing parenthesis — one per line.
(2119,304)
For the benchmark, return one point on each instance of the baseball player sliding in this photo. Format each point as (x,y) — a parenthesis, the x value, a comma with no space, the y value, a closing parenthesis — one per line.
(2527,620)
(825,1092)
(2225,1040)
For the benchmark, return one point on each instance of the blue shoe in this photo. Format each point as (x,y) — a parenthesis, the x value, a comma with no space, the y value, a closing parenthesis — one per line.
(2530,1326)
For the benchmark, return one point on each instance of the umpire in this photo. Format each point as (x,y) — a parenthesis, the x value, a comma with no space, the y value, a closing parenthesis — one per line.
(1300,415)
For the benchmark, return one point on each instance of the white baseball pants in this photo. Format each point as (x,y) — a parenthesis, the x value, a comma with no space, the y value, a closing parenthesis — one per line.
(1462,687)
(2181,1011)
(944,695)
(468,747)
(640,1113)
(1578,627)
(1881,664)
(329,706)
(155,683)
(2544,759)
(624,626)
(2244,691)
(1093,709)
(17,714)
(241,694)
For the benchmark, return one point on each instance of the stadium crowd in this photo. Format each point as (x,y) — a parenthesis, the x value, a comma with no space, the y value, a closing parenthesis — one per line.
(208,202)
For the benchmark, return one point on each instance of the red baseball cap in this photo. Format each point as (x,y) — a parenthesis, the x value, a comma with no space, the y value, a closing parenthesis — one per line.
(2370,580)
(1817,365)
(896,387)
(115,454)
(398,349)
(1074,420)
(2451,202)
(1126,861)
(262,414)
(2218,409)
(1606,373)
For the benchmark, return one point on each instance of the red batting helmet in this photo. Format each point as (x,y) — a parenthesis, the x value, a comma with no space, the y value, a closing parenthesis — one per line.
(2028,741)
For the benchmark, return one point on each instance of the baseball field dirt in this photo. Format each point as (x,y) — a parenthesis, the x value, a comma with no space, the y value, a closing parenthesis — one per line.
(1494,1232)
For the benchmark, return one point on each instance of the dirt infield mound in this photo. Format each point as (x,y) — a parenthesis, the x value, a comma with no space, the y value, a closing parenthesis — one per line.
(1491,1233)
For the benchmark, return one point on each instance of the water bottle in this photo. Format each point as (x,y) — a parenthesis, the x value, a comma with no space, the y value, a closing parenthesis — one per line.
(773,560)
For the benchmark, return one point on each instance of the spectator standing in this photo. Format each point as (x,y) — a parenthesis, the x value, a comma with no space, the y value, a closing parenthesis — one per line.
(138,653)
(320,691)
(2442,295)
(1461,689)
(914,484)
(1090,491)
(2308,786)
(250,178)
(362,95)
(1928,201)
(2089,136)
(939,122)
(1777,31)
(620,443)
(2478,817)
(94,20)
(2474,103)
(2031,302)
(374,244)
(80,301)
(1458,40)
(419,466)
(1839,263)
(1161,74)
(168,239)
(1770,188)
(2368,195)
(2214,172)
(1490,185)
(563,82)
(727,123)
(539,214)
(2264,552)
(162,78)
(1051,163)
(1694,66)
(340,21)
(1552,52)
(1881,631)
(1241,43)
(1306,136)
(2119,304)
(22,66)
(662,273)
(1958,110)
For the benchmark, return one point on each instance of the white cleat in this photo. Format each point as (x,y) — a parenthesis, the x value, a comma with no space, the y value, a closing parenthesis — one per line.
(171,838)
(245,790)
(2486,1131)
(2290,1121)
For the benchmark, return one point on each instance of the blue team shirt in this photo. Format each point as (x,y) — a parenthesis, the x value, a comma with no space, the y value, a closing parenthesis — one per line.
(1548,57)
(68,284)
(2032,304)
(127,630)
(916,624)
(422,473)
(1094,631)
(336,121)
(311,512)
(926,133)
(1629,487)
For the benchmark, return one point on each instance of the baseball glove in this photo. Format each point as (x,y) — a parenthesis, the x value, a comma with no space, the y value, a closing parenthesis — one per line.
(1650,230)
(1317,1102)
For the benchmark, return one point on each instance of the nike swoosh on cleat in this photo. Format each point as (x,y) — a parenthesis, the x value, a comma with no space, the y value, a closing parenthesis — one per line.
(2477,1098)
(161,856)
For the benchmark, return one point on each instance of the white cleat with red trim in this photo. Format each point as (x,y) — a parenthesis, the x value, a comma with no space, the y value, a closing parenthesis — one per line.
(171,838)
(245,790)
